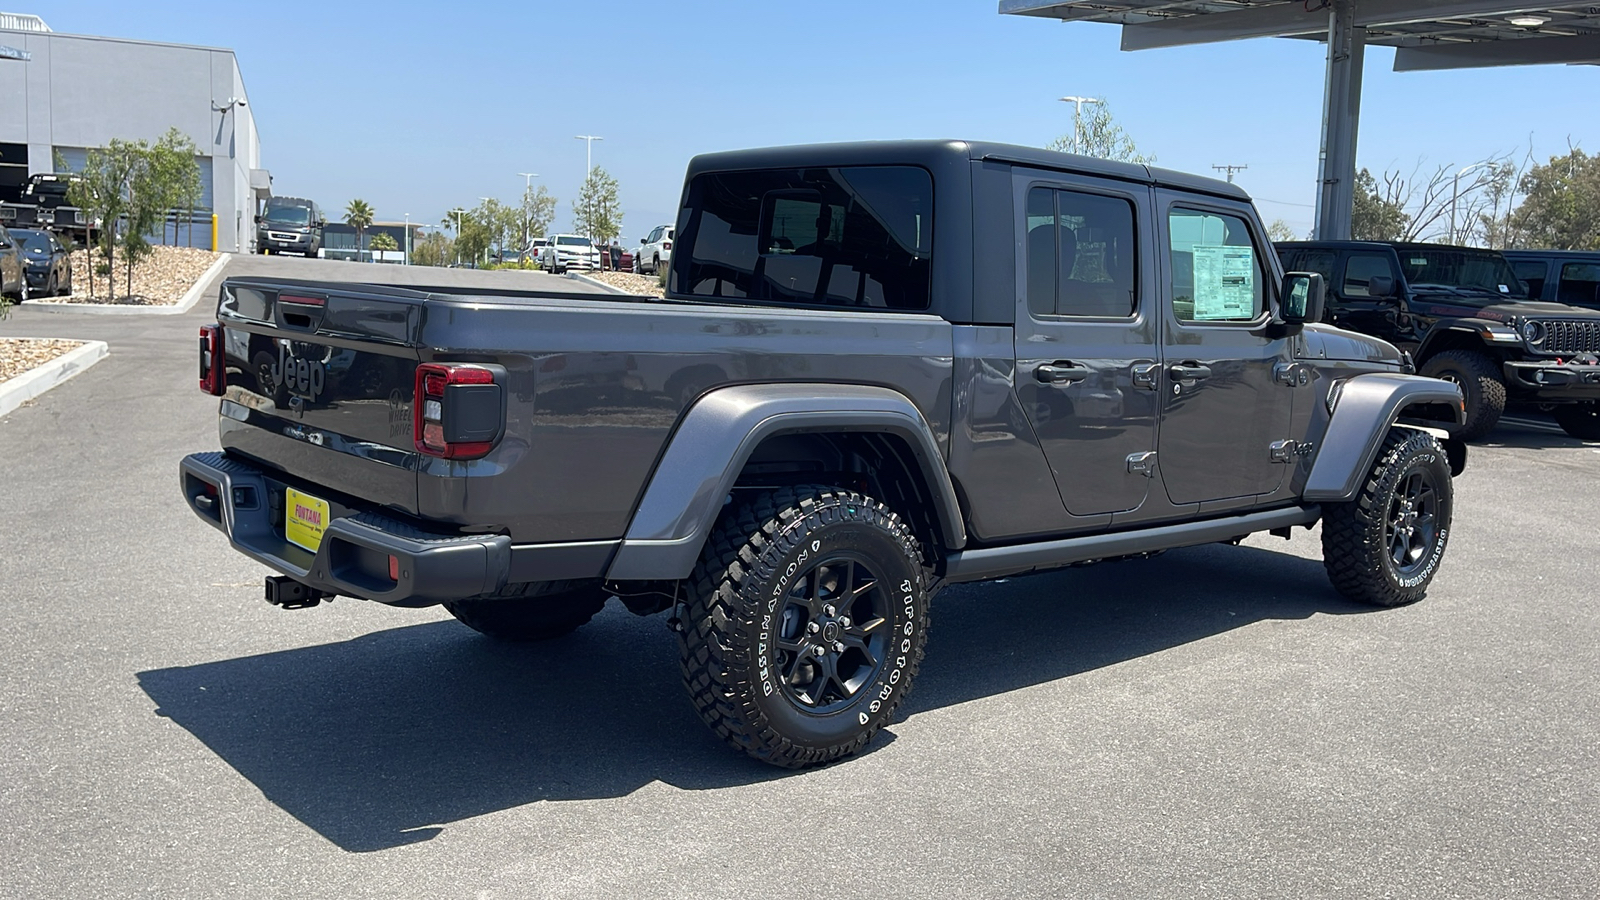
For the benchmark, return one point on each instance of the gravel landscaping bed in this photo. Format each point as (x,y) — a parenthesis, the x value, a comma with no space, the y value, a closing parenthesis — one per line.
(18,355)
(160,280)
(627,281)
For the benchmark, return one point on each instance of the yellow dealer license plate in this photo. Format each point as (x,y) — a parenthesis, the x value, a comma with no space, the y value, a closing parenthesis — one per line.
(304,519)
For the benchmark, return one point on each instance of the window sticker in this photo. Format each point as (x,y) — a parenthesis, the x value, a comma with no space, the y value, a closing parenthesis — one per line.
(1224,282)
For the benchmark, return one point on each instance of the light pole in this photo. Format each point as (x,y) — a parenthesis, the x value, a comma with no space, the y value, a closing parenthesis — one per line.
(1455,193)
(483,201)
(527,188)
(408,239)
(457,213)
(1077,116)
(589,150)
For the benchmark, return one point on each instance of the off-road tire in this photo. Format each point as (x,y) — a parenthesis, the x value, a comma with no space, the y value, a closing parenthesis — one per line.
(740,623)
(1481,386)
(1581,420)
(1359,539)
(530,612)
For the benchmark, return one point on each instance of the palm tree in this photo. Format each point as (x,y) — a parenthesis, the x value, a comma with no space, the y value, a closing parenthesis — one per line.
(358,215)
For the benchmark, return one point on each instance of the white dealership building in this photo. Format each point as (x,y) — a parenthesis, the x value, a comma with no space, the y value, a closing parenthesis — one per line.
(63,94)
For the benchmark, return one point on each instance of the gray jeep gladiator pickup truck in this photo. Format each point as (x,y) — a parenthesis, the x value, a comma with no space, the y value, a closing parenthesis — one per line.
(879,369)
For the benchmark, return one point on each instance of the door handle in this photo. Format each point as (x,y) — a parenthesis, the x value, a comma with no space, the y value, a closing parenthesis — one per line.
(1188,371)
(1060,372)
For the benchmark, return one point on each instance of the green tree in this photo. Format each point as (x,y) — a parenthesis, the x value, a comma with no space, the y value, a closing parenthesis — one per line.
(383,241)
(596,212)
(1373,215)
(358,215)
(1280,230)
(473,235)
(103,195)
(534,216)
(432,249)
(1099,135)
(1560,208)
(178,178)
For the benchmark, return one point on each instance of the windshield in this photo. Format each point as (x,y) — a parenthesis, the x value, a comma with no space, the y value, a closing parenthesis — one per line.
(1474,270)
(573,241)
(289,215)
(33,241)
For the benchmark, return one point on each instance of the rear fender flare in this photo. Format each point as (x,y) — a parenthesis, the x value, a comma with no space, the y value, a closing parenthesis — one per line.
(1366,409)
(716,437)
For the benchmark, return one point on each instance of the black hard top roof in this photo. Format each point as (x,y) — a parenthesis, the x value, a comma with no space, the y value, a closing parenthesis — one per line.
(1398,245)
(931,153)
(1559,254)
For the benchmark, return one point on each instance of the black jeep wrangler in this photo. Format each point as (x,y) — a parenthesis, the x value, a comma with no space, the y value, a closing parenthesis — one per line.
(1465,317)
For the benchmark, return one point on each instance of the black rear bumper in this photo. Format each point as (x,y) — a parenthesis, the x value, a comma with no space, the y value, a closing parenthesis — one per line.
(353,557)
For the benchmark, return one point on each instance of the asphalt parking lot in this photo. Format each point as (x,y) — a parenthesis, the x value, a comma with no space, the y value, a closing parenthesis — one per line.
(1215,722)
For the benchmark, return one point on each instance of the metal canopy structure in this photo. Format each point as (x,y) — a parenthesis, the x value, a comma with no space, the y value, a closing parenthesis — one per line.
(1426,35)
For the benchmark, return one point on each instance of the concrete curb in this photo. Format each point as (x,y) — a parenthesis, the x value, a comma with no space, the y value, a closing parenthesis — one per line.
(195,292)
(595,282)
(19,390)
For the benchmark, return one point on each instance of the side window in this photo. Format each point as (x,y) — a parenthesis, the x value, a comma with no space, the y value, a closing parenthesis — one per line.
(1359,269)
(1215,270)
(1081,254)
(1531,273)
(1301,260)
(1579,284)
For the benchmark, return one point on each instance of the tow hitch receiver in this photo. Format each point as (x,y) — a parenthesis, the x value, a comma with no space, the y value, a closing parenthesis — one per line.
(290,594)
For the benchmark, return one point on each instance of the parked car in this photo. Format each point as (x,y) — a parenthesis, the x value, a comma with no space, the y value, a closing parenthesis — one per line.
(13,275)
(46,261)
(655,250)
(536,249)
(1465,316)
(290,225)
(1559,276)
(853,396)
(569,251)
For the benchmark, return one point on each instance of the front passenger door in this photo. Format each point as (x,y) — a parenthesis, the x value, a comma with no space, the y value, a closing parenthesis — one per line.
(1354,306)
(1228,386)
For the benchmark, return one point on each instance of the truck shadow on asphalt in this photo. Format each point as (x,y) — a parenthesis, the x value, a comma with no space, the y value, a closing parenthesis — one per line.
(379,741)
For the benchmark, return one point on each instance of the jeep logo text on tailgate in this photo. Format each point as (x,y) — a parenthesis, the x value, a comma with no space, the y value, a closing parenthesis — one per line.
(305,377)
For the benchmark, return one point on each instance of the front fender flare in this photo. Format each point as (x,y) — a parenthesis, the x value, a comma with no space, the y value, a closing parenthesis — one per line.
(716,437)
(1367,407)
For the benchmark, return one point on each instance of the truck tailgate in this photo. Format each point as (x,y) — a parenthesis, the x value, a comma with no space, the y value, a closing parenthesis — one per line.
(319,384)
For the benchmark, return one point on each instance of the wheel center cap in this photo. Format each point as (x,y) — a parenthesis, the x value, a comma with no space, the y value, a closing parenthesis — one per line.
(830,632)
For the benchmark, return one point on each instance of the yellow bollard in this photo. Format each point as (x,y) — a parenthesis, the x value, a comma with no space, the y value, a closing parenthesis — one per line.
(213,232)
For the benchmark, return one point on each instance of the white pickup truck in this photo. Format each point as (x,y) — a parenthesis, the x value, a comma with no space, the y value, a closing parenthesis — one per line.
(569,251)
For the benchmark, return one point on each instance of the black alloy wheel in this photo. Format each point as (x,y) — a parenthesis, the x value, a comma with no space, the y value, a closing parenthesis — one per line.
(832,633)
(1411,526)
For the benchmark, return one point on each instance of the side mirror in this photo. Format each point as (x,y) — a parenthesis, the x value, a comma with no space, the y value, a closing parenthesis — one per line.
(1380,286)
(641,240)
(1302,296)
(258,219)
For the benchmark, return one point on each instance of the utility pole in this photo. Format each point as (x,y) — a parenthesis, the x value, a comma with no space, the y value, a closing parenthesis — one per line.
(1230,169)
(1077,117)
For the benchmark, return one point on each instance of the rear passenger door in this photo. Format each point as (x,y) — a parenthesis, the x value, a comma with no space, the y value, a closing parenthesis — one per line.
(1086,336)
(1579,284)
(1229,376)
(1533,273)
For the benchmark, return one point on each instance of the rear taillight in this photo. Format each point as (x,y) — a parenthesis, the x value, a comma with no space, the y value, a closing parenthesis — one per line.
(457,412)
(666,245)
(213,365)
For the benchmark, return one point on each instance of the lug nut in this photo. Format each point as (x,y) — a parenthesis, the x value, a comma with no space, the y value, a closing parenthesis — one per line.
(828,610)
(819,651)
(838,646)
(813,628)
(844,622)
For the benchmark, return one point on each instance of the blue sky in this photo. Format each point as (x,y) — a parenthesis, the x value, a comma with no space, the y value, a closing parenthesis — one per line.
(419,107)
